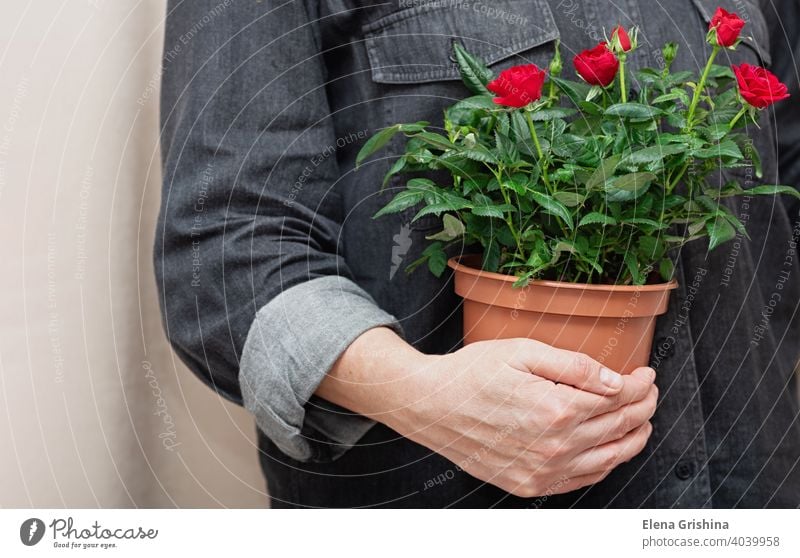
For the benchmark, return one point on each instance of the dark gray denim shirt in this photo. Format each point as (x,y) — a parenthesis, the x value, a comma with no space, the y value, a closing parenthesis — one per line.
(269,264)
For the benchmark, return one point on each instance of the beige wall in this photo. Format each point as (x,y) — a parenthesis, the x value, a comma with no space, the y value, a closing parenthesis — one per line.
(83,359)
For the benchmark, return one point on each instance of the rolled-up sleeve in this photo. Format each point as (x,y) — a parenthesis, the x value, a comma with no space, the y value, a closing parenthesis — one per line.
(255,295)
(294,341)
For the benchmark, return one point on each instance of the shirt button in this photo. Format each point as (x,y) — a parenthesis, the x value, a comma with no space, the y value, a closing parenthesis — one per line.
(684,470)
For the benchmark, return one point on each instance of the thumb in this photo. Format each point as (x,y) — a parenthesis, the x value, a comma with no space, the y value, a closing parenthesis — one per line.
(568,367)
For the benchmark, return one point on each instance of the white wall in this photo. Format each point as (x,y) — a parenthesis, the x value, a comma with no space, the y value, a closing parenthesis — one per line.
(79,323)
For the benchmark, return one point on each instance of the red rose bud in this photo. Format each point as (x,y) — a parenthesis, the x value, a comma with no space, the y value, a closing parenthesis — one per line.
(758,86)
(597,66)
(518,86)
(726,27)
(620,38)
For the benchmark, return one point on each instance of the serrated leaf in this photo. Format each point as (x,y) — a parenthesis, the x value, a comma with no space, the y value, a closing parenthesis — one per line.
(726,148)
(473,71)
(632,110)
(719,232)
(480,154)
(554,207)
(651,154)
(604,172)
(400,202)
(570,199)
(576,91)
(597,218)
(397,167)
(376,142)
(628,186)
(772,189)
(437,258)
(491,210)
(632,262)
(544,115)
(666,268)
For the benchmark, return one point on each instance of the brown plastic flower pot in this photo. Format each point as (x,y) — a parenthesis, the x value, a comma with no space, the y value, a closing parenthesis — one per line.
(613,324)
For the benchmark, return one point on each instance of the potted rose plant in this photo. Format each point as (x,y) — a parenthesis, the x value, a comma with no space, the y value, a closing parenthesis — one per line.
(578,194)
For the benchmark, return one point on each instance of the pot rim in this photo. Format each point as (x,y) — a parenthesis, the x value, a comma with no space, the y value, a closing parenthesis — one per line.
(455,263)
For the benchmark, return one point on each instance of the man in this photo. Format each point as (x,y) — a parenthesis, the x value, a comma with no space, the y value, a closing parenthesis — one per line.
(282,293)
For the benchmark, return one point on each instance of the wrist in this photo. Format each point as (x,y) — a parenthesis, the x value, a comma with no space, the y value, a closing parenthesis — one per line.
(378,376)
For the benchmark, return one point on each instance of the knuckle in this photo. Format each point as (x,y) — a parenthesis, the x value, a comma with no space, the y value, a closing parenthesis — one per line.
(624,423)
(582,365)
(610,459)
(553,449)
(561,418)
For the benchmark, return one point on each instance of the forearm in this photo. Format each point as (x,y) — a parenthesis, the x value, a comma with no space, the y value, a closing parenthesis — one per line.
(377,376)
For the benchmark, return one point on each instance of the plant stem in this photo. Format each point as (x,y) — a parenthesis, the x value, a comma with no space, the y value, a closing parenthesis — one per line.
(699,89)
(622,89)
(535,139)
(736,118)
(509,221)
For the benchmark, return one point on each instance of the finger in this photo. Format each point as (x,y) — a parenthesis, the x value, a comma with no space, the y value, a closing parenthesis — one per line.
(575,483)
(606,457)
(567,367)
(586,405)
(615,424)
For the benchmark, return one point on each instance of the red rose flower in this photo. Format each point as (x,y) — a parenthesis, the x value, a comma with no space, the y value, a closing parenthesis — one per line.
(622,37)
(518,86)
(728,27)
(758,86)
(597,66)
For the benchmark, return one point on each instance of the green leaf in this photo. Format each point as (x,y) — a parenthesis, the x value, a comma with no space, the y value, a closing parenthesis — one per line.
(726,148)
(376,142)
(604,172)
(772,189)
(481,154)
(576,91)
(632,110)
(474,72)
(570,199)
(594,218)
(492,210)
(554,206)
(437,258)
(396,168)
(491,255)
(436,140)
(719,232)
(651,154)
(633,268)
(547,114)
(453,228)
(403,200)
(468,112)
(666,268)
(628,186)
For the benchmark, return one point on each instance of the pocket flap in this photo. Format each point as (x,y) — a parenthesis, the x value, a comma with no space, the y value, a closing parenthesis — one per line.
(414,45)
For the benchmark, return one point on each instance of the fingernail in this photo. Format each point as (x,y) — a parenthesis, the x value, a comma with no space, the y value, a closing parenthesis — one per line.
(610,378)
(652,374)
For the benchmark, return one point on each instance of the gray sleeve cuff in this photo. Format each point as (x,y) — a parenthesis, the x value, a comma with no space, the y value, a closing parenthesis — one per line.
(293,342)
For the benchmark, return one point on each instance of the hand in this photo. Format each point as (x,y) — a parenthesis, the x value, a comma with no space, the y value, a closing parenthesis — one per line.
(524,416)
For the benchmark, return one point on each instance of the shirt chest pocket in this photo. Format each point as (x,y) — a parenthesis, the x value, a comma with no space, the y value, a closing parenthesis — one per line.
(414,45)
(410,54)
